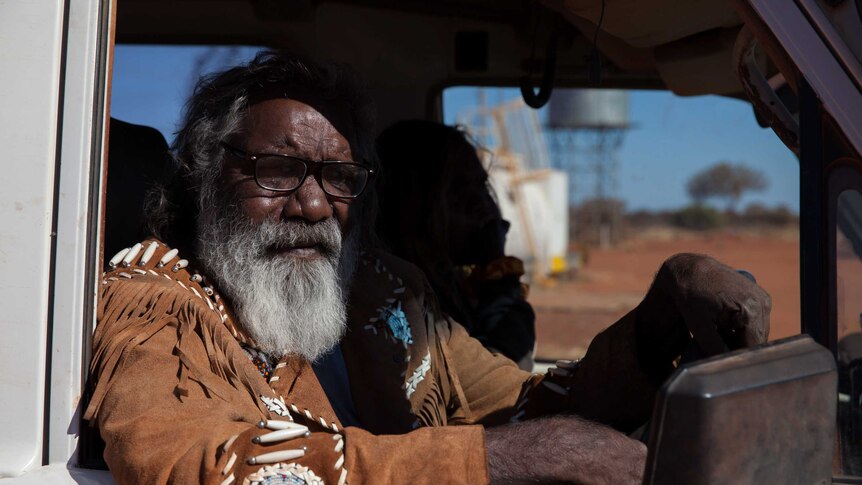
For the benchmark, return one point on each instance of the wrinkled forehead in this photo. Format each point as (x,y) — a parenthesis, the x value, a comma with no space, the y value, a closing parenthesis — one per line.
(336,111)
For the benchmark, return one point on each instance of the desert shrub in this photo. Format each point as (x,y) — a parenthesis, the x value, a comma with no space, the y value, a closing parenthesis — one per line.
(586,219)
(645,218)
(759,214)
(726,181)
(698,218)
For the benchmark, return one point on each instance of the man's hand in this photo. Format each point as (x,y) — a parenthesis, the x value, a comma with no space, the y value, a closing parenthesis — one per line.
(563,449)
(695,295)
(626,364)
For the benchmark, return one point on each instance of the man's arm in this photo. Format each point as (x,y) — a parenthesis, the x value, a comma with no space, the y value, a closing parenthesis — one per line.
(616,381)
(562,449)
(177,401)
(614,384)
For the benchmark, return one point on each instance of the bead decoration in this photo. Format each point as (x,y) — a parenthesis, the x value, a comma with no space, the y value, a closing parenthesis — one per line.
(418,375)
(275,405)
(276,456)
(395,317)
(126,258)
(118,257)
(260,360)
(281,430)
(148,254)
(284,474)
(167,258)
(132,254)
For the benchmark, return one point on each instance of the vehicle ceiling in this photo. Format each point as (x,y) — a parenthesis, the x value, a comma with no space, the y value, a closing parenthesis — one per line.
(406,50)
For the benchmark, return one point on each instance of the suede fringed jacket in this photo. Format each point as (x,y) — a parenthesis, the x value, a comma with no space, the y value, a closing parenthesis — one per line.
(179,398)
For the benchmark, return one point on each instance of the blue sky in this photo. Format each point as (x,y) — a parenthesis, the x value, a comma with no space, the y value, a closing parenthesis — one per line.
(673,137)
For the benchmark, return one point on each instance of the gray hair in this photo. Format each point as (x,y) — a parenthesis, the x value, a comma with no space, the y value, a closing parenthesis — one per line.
(216,111)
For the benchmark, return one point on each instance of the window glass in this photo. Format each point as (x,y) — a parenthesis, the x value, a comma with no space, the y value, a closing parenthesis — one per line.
(848,253)
(601,186)
(152,82)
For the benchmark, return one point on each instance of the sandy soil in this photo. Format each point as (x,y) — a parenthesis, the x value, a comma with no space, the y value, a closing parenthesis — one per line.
(614,280)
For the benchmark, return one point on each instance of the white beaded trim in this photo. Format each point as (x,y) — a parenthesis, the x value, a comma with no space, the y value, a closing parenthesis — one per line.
(151,249)
(230,463)
(276,405)
(168,256)
(418,375)
(229,443)
(133,252)
(288,429)
(280,431)
(126,258)
(180,265)
(293,470)
(307,414)
(340,442)
(118,257)
(276,456)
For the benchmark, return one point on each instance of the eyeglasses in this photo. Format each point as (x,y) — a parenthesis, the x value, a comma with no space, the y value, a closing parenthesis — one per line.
(284,173)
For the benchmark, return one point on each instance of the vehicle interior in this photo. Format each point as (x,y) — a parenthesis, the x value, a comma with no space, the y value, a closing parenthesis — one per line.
(408,52)
(685,47)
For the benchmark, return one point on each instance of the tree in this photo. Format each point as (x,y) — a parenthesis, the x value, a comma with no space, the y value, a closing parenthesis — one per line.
(727,181)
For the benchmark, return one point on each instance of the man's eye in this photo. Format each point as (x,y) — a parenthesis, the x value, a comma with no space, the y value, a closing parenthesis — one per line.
(339,175)
(344,179)
(279,173)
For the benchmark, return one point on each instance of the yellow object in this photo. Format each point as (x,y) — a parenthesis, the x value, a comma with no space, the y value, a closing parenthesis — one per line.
(558,264)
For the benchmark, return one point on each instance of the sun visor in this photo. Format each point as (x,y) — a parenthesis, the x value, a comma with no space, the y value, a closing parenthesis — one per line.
(649,23)
(700,64)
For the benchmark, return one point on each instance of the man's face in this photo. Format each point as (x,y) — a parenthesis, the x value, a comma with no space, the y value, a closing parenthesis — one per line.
(295,128)
(283,259)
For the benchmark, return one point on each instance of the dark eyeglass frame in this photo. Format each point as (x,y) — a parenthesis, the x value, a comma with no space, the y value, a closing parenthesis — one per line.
(312,167)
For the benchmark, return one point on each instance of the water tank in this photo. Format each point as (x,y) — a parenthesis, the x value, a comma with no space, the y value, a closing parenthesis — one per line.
(588,108)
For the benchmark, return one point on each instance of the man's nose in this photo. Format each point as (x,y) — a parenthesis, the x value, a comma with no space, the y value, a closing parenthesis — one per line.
(308,202)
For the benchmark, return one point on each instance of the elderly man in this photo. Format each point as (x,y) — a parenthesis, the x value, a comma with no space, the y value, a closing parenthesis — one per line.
(286,349)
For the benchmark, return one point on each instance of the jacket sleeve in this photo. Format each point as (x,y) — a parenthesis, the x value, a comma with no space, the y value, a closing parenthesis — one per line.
(176,399)
(486,386)
(432,455)
(176,403)
(608,385)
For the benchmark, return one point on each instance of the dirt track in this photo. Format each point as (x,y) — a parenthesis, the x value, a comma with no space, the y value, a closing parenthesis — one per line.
(614,280)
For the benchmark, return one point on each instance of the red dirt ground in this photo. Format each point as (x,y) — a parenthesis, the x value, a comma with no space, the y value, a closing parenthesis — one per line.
(614,280)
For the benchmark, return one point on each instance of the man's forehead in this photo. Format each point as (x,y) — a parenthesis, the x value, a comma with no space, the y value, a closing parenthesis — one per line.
(335,110)
(300,107)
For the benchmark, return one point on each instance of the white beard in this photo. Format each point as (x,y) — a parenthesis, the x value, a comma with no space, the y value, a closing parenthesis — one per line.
(288,305)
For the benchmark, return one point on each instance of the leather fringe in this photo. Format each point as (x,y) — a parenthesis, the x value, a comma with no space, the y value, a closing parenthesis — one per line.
(131,312)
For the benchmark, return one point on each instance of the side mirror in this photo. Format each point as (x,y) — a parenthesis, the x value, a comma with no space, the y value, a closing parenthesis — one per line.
(759,415)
